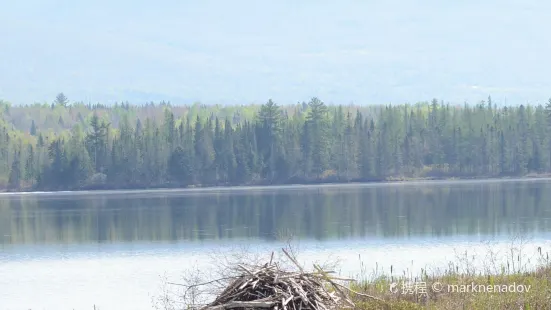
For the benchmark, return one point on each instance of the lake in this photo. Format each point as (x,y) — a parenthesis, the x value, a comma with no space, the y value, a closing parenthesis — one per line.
(74,250)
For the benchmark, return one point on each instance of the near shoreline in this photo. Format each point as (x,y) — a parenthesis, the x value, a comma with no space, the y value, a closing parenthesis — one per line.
(496,284)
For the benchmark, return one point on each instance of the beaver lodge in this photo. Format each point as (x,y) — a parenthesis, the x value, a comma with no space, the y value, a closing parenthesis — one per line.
(269,287)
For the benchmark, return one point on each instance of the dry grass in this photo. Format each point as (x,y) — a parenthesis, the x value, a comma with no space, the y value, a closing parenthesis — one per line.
(538,296)
(453,288)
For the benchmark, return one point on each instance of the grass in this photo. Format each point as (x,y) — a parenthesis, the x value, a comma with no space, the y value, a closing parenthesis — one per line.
(459,294)
(509,285)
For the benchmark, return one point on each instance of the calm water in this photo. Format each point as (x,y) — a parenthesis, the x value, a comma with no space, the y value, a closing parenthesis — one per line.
(74,250)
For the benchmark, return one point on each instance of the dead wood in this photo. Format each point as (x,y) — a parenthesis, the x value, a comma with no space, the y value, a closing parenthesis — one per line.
(267,286)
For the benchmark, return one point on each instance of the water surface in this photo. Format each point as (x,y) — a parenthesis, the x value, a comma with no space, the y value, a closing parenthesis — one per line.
(77,249)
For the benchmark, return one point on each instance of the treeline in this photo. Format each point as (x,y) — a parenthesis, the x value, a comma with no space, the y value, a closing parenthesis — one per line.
(308,142)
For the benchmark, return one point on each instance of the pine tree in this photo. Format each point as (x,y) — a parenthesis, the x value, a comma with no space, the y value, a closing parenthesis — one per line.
(32,131)
(61,100)
(30,172)
(317,135)
(14,180)
(96,141)
(269,137)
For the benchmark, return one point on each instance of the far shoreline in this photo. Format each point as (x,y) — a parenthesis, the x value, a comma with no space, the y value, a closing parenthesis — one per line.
(260,186)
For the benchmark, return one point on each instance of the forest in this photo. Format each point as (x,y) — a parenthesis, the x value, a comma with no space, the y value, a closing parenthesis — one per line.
(72,145)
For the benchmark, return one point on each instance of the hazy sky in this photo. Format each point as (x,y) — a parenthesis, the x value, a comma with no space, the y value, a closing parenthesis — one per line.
(288,50)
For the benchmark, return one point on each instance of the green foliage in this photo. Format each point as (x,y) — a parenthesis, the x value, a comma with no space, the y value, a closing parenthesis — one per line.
(76,145)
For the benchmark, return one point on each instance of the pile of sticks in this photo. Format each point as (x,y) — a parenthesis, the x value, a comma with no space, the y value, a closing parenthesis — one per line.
(268,287)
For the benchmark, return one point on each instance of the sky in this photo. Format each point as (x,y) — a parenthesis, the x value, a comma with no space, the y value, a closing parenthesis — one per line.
(243,51)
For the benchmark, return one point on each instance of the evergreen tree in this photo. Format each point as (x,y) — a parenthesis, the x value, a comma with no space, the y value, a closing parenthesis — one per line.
(96,141)
(32,131)
(30,172)
(61,100)
(14,181)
